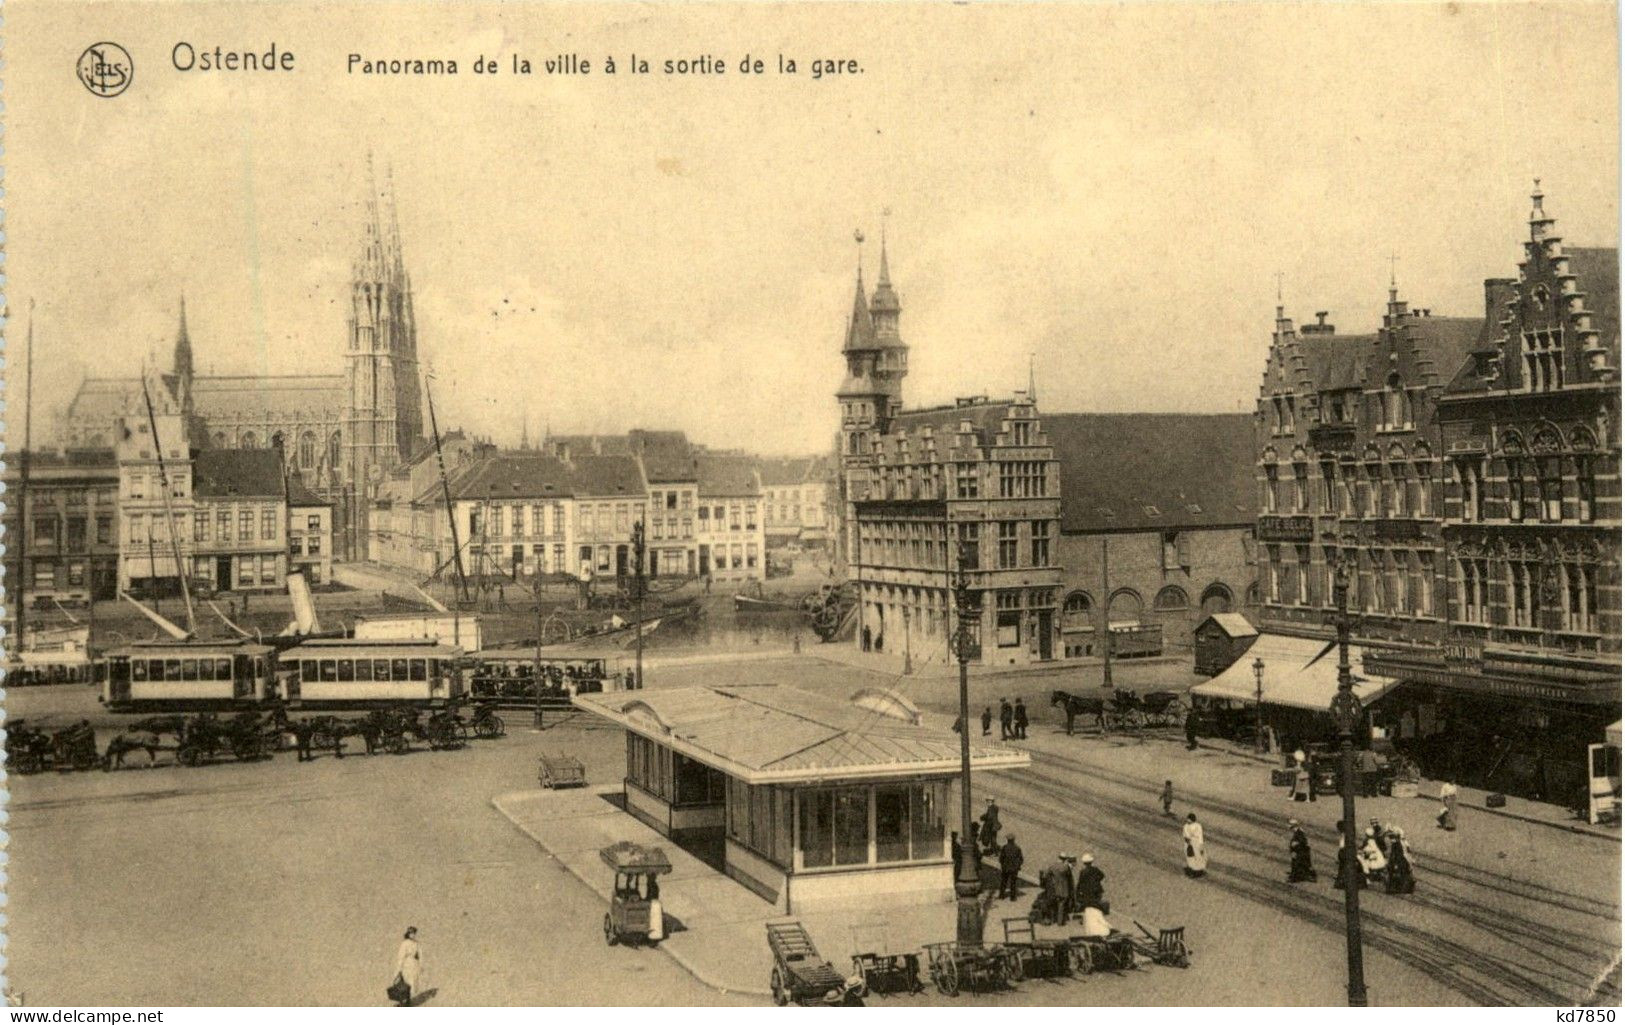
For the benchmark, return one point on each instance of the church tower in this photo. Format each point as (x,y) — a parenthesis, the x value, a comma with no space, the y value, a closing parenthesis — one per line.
(871,394)
(383,418)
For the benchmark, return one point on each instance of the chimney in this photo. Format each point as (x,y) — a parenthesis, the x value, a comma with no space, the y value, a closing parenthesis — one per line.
(1319,327)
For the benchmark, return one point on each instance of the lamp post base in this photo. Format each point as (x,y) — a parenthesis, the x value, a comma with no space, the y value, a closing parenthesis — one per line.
(970,920)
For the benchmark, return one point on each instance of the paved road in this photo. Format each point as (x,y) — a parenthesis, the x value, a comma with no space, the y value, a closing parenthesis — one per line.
(192,886)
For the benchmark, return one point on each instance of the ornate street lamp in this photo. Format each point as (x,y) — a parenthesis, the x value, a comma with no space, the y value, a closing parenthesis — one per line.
(1258,729)
(1347,715)
(968,883)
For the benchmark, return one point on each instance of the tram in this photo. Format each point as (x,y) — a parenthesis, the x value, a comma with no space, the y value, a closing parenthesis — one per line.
(166,675)
(512,674)
(370,673)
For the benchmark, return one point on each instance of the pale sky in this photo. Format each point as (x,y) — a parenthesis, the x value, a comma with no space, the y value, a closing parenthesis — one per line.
(1109,188)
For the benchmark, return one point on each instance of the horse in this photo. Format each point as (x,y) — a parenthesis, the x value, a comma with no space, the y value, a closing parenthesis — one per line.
(1076,706)
(124,743)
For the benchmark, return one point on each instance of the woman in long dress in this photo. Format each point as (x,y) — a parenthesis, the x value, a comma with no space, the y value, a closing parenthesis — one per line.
(1195,848)
(409,963)
(1447,809)
(1372,860)
(1401,876)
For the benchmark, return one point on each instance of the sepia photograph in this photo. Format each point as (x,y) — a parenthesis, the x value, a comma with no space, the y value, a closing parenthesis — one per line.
(907,505)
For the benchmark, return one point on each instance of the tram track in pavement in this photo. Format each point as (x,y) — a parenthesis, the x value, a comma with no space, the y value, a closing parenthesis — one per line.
(1484,978)
(1438,865)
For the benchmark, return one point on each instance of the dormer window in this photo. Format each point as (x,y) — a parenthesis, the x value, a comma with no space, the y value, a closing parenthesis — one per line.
(1021,432)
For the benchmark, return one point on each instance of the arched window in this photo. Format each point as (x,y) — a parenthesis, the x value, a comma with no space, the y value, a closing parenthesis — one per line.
(333,445)
(1125,607)
(1393,404)
(1217,598)
(1172,599)
(248,440)
(219,439)
(1078,612)
(307,450)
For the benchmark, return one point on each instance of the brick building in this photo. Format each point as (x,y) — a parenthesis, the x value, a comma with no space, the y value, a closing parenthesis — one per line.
(70,552)
(1156,532)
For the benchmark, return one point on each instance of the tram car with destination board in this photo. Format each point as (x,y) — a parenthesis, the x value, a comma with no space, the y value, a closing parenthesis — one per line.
(366,673)
(166,675)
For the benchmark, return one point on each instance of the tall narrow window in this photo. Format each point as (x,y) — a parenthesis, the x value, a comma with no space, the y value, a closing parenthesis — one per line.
(1300,487)
(1402,504)
(1270,484)
(1514,490)
(1328,486)
(1585,481)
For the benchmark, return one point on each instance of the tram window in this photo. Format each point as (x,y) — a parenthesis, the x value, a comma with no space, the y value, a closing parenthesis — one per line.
(397,668)
(381,669)
(307,670)
(346,670)
(172,669)
(138,669)
(418,668)
(363,669)
(222,669)
(188,668)
(330,671)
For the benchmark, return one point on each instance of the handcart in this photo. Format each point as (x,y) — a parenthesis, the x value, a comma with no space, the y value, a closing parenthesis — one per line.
(1035,958)
(973,966)
(635,914)
(881,971)
(1166,946)
(800,974)
(555,771)
(1113,953)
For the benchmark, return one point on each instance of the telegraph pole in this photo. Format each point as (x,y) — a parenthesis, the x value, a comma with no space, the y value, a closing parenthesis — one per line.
(1105,618)
(968,885)
(637,591)
(20,602)
(1347,714)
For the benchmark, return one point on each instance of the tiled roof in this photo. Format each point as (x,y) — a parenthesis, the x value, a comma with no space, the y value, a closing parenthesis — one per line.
(784,472)
(300,497)
(985,419)
(600,476)
(1596,272)
(1444,341)
(727,476)
(1153,471)
(291,393)
(1335,361)
(773,733)
(237,473)
(510,475)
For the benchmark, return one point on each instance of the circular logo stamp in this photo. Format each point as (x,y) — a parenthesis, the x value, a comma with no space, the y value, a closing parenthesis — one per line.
(105,68)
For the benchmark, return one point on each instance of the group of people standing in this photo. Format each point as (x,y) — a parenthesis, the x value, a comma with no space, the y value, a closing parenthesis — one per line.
(1383,856)
(1012,720)
(1062,894)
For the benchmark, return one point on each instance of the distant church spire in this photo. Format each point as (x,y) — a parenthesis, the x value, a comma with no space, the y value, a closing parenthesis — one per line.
(183,347)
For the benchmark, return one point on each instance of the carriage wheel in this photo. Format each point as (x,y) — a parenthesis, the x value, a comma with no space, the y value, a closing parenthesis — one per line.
(246,749)
(1081,959)
(609,931)
(946,974)
(485,729)
(781,996)
(190,756)
(28,763)
(862,972)
(1014,970)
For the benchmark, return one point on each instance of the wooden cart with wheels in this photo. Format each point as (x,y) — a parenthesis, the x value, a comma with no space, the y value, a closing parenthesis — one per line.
(555,771)
(878,969)
(800,975)
(971,966)
(1114,953)
(1035,958)
(635,914)
(1166,946)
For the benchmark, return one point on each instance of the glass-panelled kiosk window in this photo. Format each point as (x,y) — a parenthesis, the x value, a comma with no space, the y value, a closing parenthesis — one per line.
(840,826)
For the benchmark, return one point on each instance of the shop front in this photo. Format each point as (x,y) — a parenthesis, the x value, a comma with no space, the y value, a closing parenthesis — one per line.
(1499,721)
(820,802)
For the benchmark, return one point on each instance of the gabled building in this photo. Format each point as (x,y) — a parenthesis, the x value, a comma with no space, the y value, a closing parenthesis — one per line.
(795,497)
(239,520)
(730,530)
(69,553)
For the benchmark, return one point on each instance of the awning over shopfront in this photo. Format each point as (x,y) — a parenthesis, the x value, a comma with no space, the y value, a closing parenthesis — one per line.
(1298,673)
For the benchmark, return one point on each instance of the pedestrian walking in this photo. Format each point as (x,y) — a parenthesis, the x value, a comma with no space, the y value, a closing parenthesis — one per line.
(1010,859)
(987,720)
(990,826)
(1007,718)
(866,638)
(1021,719)
(1191,723)
(1447,807)
(1091,885)
(1300,777)
(1071,715)
(1195,848)
(1168,798)
(1302,869)
(408,969)
(1401,872)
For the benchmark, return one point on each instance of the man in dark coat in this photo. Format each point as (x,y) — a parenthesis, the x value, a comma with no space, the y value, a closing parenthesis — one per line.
(987,720)
(1091,887)
(1302,869)
(991,826)
(1021,719)
(1057,893)
(1191,723)
(1010,859)
(1007,717)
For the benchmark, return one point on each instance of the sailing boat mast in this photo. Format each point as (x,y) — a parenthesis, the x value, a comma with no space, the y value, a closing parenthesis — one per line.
(445,490)
(169,513)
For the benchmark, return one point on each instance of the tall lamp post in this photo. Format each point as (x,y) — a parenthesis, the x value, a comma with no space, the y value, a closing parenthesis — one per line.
(1258,728)
(968,884)
(1347,715)
(637,594)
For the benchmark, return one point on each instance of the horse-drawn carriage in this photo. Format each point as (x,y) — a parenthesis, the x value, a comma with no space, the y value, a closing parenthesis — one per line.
(1121,709)
(30,750)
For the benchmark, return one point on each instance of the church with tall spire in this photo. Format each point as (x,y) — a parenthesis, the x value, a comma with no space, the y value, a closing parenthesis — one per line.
(338,433)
